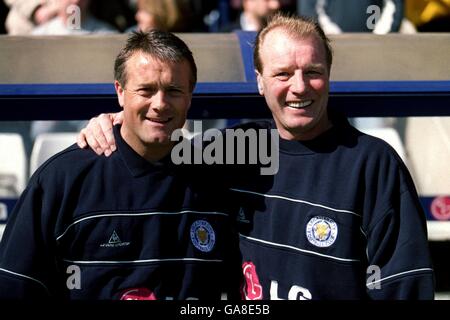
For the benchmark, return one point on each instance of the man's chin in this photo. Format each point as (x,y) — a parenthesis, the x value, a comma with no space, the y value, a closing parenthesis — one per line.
(161,140)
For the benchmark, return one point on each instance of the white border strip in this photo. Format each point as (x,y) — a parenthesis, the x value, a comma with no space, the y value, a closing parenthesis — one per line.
(298,249)
(438,230)
(141,261)
(372,283)
(136,215)
(295,200)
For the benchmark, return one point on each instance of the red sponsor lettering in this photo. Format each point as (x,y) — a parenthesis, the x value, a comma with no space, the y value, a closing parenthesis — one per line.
(138,294)
(251,289)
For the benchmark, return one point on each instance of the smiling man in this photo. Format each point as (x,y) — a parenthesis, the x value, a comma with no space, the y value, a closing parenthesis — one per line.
(342,213)
(132,226)
(341,218)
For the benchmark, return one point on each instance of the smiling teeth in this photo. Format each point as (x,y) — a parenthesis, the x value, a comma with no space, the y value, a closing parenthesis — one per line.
(299,105)
(159,120)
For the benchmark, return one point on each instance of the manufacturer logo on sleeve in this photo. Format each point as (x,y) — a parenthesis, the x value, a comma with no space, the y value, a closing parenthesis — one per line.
(321,231)
(202,235)
(114,241)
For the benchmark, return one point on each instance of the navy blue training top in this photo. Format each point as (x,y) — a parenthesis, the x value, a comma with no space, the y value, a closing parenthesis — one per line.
(91,227)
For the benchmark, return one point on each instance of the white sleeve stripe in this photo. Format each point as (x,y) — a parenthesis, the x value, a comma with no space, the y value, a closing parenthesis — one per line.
(26,277)
(142,261)
(372,283)
(295,200)
(298,249)
(137,215)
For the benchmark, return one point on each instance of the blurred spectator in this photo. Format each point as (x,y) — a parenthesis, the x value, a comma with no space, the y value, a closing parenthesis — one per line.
(254,15)
(167,15)
(118,13)
(206,15)
(429,15)
(3,13)
(338,16)
(73,17)
(24,15)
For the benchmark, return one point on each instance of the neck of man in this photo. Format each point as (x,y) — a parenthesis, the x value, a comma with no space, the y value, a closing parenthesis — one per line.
(156,151)
(307,135)
(152,152)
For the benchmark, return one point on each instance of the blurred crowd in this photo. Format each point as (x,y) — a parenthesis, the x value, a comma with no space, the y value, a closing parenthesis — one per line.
(65,17)
(19,17)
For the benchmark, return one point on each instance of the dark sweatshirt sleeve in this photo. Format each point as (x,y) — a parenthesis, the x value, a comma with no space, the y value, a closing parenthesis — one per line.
(26,255)
(397,245)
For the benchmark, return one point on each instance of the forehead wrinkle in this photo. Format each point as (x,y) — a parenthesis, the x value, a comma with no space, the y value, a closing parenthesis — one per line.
(280,38)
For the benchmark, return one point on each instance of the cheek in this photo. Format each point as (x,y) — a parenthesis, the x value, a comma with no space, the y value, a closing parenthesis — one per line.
(134,110)
(319,85)
(276,89)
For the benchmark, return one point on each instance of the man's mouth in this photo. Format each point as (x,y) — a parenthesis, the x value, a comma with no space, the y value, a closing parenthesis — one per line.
(300,105)
(159,120)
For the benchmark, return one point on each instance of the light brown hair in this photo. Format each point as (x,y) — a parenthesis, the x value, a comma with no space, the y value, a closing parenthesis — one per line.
(297,26)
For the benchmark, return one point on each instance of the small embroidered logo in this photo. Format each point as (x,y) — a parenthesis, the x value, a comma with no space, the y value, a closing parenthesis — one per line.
(202,235)
(321,231)
(114,241)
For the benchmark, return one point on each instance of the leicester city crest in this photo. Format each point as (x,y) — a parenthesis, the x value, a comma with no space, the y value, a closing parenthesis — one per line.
(202,235)
(321,231)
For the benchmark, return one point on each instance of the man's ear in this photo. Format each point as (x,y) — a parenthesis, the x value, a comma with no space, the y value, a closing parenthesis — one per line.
(120,92)
(260,83)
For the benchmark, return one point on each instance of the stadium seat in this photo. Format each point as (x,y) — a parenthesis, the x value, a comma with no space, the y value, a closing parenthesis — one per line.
(48,144)
(2,229)
(3,217)
(427,140)
(391,136)
(13,165)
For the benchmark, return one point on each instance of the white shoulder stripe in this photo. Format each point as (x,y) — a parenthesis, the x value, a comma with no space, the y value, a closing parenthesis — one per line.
(372,283)
(298,249)
(26,277)
(136,215)
(295,200)
(141,261)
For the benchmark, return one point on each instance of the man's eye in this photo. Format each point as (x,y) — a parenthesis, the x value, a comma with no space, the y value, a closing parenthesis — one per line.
(146,93)
(313,72)
(175,91)
(283,75)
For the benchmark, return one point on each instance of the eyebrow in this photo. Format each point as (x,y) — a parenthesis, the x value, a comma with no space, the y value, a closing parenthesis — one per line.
(153,86)
(316,66)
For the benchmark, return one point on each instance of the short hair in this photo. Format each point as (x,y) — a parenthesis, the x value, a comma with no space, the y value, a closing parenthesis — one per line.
(161,45)
(297,26)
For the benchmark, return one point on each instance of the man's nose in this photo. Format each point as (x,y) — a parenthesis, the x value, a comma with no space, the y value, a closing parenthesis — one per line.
(159,100)
(298,84)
